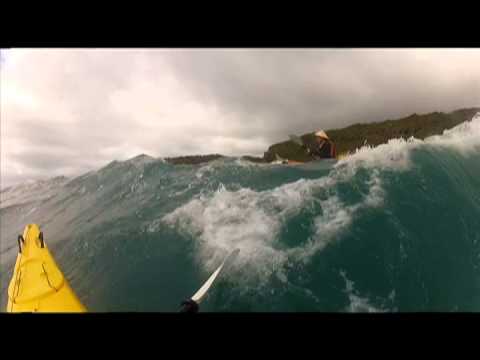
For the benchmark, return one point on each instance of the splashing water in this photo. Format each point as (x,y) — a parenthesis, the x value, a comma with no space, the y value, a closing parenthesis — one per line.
(391,228)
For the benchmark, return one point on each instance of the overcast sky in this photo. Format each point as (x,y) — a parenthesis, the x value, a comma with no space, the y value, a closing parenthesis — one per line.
(66,111)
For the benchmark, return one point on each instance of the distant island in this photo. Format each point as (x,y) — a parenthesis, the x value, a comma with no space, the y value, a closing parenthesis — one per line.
(352,137)
(192,159)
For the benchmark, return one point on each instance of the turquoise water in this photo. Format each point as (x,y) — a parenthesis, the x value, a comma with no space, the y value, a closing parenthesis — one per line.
(395,228)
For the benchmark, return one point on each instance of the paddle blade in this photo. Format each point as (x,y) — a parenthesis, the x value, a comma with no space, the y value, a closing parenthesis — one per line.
(200,294)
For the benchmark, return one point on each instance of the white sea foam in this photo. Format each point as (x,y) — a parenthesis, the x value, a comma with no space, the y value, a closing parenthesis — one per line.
(358,303)
(396,154)
(464,138)
(251,220)
(336,218)
(228,220)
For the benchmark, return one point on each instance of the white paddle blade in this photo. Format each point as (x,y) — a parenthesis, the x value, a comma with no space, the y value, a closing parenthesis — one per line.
(200,294)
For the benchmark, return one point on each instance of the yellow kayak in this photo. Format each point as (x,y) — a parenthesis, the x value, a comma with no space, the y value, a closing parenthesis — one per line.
(37,283)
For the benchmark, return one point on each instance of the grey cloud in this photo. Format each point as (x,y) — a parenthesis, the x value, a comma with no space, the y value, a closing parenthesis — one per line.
(298,90)
(51,161)
(248,99)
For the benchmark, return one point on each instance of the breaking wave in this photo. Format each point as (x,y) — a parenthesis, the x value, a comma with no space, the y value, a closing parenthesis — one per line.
(390,228)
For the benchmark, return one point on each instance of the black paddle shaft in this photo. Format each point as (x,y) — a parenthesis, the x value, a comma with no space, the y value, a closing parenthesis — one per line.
(189,306)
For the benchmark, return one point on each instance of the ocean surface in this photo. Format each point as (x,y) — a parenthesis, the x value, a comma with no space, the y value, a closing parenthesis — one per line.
(394,228)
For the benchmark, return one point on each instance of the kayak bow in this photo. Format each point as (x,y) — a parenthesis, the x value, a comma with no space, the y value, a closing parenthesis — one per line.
(37,283)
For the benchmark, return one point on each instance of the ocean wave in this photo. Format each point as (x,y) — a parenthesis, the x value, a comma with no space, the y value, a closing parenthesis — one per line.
(399,219)
(252,220)
(360,304)
(396,154)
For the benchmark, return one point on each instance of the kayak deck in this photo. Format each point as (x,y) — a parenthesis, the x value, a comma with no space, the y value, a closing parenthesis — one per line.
(37,283)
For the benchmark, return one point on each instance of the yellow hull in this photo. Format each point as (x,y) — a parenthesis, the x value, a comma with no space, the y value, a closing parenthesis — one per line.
(343,156)
(37,283)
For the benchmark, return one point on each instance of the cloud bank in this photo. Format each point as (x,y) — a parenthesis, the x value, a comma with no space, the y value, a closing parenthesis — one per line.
(66,111)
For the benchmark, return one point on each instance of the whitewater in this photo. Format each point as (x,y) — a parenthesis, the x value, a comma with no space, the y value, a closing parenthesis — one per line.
(393,228)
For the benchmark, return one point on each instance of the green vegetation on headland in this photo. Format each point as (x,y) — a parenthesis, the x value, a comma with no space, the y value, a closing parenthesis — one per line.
(352,137)
(192,159)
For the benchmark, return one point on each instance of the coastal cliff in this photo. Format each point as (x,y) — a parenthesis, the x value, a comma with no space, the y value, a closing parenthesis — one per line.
(352,137)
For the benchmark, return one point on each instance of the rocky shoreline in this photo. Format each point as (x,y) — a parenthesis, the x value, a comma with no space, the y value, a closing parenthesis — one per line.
(193,159)
(352,137)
